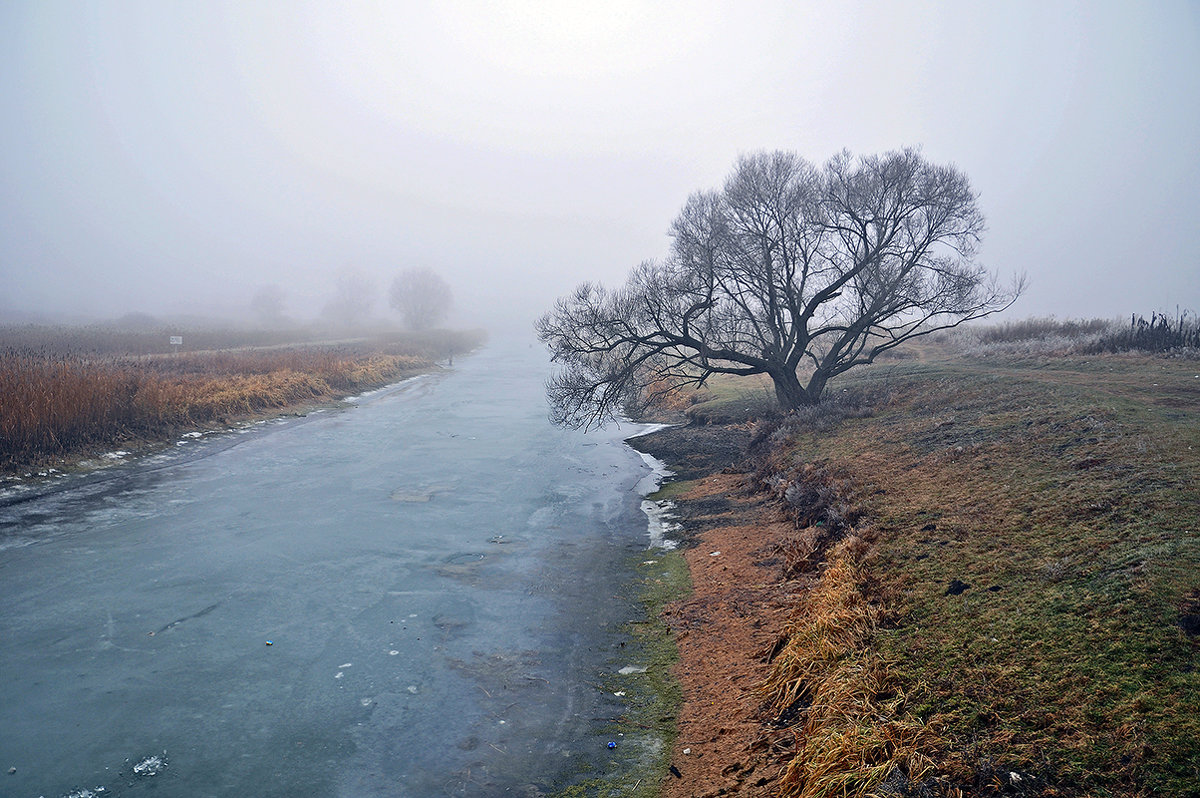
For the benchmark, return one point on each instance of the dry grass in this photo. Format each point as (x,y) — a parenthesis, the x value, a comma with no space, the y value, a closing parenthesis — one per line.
(57,404)
(1178,335)
(829,681)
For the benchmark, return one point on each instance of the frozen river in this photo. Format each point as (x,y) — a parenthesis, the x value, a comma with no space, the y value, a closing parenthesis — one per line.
(418,595)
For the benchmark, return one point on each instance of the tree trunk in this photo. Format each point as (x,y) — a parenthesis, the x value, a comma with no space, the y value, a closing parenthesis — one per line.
(790,394)
(816,386)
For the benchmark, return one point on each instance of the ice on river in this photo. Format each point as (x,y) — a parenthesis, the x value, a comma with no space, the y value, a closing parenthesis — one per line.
(410,654)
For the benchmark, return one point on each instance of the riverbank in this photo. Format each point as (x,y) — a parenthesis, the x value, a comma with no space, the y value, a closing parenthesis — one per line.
(65,405)
(961,576)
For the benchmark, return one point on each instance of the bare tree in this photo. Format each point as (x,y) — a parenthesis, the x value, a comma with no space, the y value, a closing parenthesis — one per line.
(268,305)
(353,299)
(421,297)
(788,270)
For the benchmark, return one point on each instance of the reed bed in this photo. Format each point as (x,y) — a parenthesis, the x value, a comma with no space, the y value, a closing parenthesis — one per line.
(56,404)
(1177,335)
(1161,333)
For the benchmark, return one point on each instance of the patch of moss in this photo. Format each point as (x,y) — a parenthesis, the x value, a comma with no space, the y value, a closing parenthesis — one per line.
(673,490)
(645,731)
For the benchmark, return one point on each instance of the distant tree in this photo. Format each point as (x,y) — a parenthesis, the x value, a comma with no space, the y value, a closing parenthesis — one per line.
(137,320)
(267,304)
(422,298)
(789,270)
(354,297)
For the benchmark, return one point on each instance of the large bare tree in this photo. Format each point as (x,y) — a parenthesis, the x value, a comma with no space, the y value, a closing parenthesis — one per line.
(789,270)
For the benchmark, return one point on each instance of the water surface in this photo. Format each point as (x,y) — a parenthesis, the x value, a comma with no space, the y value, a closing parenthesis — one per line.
(442,577)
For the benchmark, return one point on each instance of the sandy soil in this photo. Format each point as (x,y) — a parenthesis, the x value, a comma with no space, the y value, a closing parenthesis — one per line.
(725,631)
(727,627)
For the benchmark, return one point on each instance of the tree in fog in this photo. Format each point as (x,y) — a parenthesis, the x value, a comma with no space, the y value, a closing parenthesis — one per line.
(788,270)
(353,299)
(267,305)
(421,297)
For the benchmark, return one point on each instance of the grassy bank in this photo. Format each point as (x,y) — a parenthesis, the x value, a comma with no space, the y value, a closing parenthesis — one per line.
(66,393)
(1003,560)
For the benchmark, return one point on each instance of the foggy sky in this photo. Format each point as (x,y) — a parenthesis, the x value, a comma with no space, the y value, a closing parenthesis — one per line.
(176,157)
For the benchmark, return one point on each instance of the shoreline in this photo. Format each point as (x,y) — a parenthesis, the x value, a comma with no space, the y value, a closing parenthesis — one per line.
(95,466)
(884,589)
(735,606)
(65,407)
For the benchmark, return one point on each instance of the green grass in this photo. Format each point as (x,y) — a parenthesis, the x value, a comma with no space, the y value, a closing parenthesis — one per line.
(1064,491)
(673,490)
(727,399)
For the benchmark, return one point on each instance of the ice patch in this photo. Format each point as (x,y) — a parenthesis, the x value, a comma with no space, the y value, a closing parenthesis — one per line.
(385,389)
(658,513)
(658,523)
(117,455)
(150,766)
(648,429)
(658,472)
(191,435)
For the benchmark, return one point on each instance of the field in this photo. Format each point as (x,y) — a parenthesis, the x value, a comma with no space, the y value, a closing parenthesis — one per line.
(996,558)
(67,392)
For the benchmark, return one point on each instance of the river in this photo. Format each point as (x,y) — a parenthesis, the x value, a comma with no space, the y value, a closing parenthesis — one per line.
(420,593)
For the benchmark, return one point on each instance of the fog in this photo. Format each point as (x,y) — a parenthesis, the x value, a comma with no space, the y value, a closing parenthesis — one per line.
(184,157)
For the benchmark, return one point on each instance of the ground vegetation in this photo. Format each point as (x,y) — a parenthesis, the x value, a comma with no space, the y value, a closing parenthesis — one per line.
(988,573)
(69,391)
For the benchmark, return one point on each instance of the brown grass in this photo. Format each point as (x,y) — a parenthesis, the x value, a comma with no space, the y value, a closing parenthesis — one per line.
(57,405)
(829,681)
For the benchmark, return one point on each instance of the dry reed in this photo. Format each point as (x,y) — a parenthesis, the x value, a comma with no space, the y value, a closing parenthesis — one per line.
(57,404)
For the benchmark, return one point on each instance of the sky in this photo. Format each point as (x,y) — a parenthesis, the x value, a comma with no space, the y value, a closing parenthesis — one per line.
(178,157)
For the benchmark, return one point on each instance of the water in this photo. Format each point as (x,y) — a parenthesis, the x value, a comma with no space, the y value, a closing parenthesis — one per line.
(420,595)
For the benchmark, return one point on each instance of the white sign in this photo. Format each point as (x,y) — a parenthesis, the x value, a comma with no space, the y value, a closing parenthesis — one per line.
(176,340)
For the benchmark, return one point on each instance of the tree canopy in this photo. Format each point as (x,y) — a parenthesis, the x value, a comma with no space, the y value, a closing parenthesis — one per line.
(791,270)
(422,298)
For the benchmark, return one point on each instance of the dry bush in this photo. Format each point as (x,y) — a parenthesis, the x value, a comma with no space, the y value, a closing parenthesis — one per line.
(819,503)
(1042,328)
(1033,336)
